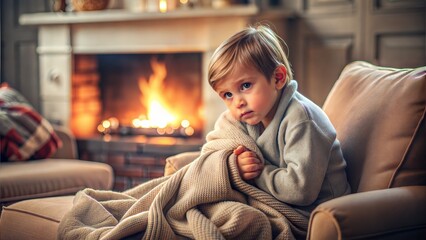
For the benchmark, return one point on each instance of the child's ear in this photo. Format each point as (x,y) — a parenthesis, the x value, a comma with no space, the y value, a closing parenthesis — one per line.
(280,76)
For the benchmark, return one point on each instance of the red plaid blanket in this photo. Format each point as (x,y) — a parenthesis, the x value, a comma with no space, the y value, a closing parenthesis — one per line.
(24,134)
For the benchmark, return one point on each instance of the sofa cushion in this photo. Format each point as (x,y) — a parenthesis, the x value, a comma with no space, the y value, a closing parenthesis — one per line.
(34,219)
(379,115)
(51,177)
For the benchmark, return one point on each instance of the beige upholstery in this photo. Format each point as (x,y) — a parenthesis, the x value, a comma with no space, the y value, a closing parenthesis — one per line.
(53,176)
(35,181)
(69,145)
(34,219)
(379,115)
(395,213)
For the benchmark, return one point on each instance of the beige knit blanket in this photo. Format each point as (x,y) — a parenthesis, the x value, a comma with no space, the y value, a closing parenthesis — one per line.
(204,200)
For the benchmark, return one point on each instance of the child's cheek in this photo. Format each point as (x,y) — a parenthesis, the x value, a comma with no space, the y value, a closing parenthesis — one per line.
(235,115)
(256,103)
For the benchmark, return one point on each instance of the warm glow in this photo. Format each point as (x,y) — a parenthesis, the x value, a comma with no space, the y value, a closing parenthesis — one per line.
(159,114)
(189,131)
(101,128)
(163,5)
(106,124)
(184,123)
(84,124)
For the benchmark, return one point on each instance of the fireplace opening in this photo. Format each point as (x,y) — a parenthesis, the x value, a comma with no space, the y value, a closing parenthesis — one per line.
(137,94)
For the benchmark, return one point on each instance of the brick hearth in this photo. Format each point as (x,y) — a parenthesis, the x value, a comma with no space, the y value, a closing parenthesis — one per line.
(134,160)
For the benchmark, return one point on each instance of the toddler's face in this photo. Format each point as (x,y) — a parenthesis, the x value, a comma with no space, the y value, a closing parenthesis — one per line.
(249,96)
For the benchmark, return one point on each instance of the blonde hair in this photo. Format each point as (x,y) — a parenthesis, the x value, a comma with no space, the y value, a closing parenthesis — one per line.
(257,46)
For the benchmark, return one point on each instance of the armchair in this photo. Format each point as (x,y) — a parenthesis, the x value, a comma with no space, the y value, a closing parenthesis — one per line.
(379,115)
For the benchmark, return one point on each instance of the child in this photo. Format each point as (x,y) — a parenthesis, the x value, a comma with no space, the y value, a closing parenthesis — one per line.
(304,165)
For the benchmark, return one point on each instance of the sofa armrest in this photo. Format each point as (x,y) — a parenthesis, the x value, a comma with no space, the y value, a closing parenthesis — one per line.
(176,162)
(395,211)
(69,145)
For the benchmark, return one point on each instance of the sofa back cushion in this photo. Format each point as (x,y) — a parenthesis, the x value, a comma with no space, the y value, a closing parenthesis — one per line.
(379,115)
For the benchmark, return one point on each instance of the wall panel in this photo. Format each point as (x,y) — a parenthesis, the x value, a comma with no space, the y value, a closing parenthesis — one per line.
(18,52)
(328,6)
(324,45)
(331,33)
(401,51)
(397,5)
(27,71)
(325,60)
(395,33)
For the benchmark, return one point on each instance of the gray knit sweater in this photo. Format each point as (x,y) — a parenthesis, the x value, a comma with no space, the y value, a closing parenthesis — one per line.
(304,162)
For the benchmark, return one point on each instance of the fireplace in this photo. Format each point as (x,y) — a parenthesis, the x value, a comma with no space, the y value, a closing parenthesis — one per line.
(64,38)
(132,94)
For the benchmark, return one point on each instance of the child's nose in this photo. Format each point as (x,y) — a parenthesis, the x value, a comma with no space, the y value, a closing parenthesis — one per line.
(239,102)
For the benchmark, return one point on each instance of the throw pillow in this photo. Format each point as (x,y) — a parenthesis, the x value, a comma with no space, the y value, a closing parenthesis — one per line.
(24,133)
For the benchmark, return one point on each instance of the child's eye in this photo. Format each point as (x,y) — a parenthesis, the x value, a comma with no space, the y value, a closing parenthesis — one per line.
(227,95)
(245,86)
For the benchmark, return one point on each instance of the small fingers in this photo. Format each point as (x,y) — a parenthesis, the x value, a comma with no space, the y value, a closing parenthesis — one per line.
(250,175)
(248,154)
(240,149)
(251,168)
(244,159)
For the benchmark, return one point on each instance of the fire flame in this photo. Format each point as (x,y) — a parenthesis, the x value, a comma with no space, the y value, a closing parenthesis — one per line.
(158,114)
(151,97)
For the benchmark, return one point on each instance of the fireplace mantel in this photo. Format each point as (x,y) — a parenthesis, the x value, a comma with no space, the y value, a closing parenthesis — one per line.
(118,15)
(61,35)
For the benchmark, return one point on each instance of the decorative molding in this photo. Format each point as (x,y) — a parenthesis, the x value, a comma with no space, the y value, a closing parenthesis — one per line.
(124,15)
(54,50)
(398,5)
(328,6)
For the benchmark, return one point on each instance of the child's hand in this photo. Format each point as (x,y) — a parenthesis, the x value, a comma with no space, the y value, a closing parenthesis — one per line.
(249,165)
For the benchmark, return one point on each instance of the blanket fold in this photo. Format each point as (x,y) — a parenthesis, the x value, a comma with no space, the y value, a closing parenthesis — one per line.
(206,199)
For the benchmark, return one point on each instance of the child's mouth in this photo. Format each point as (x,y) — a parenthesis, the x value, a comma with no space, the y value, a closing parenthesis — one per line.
(246,114)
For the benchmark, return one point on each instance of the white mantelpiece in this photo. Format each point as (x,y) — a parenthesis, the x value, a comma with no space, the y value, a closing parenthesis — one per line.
(119,31)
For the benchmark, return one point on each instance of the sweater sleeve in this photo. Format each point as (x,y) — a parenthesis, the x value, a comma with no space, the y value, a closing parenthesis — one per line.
(303,167)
